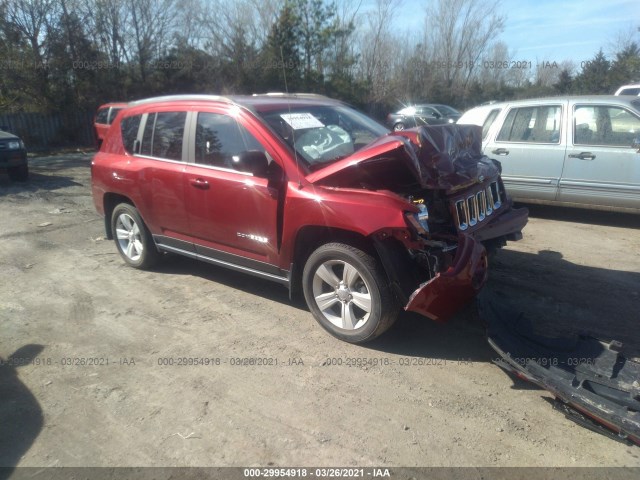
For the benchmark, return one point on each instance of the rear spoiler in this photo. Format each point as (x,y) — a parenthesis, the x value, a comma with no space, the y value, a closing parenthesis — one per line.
(594,384)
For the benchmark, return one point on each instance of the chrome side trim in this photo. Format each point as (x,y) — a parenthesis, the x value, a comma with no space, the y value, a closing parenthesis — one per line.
(222,263)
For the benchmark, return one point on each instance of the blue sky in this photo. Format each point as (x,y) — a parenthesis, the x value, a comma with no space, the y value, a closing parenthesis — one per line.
(554,30)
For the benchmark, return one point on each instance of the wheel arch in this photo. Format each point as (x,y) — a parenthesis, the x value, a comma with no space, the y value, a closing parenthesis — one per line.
(109,202)
(311,237)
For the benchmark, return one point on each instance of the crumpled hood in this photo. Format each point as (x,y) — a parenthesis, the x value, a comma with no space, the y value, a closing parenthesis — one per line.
(446,157)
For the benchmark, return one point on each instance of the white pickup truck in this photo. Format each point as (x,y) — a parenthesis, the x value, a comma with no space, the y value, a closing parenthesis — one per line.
(579,151)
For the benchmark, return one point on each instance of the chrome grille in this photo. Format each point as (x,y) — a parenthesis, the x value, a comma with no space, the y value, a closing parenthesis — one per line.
(477,207)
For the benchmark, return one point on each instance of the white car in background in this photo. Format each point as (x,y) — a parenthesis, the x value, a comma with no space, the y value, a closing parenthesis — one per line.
(579,151)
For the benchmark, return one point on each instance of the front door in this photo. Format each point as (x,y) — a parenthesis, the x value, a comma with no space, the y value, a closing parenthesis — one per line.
(232,214)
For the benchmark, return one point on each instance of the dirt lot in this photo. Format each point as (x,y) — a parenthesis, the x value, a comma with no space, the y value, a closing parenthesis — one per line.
(66,296)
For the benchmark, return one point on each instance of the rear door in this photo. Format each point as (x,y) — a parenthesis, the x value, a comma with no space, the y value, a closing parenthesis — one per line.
(530,143)
(601,166)
(232,214)
(159,151)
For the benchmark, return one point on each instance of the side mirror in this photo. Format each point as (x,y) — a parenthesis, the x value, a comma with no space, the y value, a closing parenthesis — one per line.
(253,161)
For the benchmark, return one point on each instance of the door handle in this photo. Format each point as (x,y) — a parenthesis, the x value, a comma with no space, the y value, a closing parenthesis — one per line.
(583,155)
(199,183)
(500,151)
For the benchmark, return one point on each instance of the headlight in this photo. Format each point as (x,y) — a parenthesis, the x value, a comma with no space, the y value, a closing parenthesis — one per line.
(451,120)
(423,216)
(15,145)
(420,220)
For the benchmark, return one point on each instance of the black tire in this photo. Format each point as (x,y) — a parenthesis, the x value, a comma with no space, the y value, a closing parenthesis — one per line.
(362,283)
(19,174)
(398,127)
(138,250)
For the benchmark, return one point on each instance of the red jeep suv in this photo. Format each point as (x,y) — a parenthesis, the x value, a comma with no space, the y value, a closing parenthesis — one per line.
(307,192)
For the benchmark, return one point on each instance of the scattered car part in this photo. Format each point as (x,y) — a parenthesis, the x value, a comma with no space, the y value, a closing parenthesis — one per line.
(594,384)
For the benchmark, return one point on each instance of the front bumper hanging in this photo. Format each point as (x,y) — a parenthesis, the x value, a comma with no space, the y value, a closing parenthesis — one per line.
(594,384)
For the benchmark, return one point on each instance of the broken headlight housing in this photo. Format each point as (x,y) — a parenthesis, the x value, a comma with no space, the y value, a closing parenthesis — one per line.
(420,220)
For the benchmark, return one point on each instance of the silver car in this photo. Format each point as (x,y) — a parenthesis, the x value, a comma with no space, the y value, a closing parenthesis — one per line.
(577,151)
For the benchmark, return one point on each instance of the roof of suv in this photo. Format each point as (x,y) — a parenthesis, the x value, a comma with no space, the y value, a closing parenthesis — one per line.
(274,100)
(581,98)
(629,101)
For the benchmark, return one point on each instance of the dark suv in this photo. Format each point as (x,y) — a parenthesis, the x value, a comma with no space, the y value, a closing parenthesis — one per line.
(307,192)
(13,156)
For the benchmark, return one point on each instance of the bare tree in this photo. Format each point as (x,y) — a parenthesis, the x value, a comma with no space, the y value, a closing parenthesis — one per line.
(34,19)
(152,28)
(458,33)
(377,48)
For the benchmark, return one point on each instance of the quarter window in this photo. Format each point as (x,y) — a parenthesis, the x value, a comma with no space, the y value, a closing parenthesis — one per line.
(220,139)
(129,128)
(604,125)
(532,125)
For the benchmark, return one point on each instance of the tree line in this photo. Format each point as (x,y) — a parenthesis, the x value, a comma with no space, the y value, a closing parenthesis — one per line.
(60,55)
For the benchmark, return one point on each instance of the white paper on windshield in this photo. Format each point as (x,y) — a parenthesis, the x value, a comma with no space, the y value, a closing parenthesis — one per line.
(299,121)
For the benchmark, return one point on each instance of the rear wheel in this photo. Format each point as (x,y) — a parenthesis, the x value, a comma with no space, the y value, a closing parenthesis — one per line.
(348,293)
(398,127)
(132,237)
(19,174)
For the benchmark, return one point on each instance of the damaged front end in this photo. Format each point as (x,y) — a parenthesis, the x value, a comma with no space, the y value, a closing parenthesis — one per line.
(594,384)
(460,212)
(456,210)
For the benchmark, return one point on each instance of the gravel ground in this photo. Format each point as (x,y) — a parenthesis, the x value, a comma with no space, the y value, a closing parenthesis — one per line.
(99,392)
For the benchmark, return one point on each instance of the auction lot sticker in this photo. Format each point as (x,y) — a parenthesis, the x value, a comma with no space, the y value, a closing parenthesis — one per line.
(299,121)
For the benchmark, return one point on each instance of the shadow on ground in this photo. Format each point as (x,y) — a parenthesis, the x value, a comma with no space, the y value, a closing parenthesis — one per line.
(579,215)
(564,298)
(21,417)
(44,175)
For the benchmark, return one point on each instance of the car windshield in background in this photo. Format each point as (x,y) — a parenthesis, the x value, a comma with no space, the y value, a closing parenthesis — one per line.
(323,134)
(447,110)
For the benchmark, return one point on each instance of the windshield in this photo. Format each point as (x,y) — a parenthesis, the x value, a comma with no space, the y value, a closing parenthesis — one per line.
(322,134)
(447,110)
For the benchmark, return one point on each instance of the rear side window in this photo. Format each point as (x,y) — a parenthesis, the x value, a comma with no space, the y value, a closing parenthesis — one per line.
(163,135)
(630,91)
(532,125)
(102,116)
(219,138)
(112,114)
(129,128)
(486,126)
(604,125)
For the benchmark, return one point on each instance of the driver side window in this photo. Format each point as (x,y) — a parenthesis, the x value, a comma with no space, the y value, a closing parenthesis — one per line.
(220,139)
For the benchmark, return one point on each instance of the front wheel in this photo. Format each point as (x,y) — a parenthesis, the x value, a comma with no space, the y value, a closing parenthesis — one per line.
(132,237)
(347,293)
(398,127)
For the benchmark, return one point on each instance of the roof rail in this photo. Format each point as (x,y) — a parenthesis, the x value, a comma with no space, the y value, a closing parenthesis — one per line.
(181,98)
(294,95)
